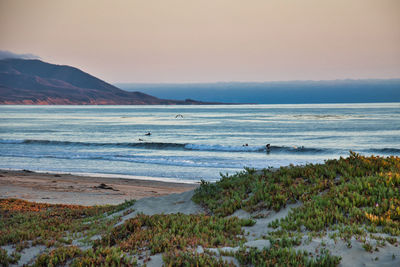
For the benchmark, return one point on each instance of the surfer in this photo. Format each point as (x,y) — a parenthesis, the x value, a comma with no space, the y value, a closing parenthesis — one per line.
(140,139)
(268,148)
(148,134)
(246,145)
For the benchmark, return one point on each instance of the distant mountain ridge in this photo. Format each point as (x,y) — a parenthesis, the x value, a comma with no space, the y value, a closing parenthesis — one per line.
(32,81)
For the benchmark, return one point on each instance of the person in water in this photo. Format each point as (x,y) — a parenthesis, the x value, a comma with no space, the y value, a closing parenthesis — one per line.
(268,146)
(149,133)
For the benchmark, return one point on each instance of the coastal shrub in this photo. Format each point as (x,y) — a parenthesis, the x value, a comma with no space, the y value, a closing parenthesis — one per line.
(225,196)
(43,223)
(75,257)
(180,258)
(284,239)
(350,196)
(277,256)
(57,257)
(372,200)
(6,260)
(163,233)
(274,189)
(108,256)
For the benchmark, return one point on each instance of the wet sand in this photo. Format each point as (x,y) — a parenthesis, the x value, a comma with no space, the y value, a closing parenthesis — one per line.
(82,190)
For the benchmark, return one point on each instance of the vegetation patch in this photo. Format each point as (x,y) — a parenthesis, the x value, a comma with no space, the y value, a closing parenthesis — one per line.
(47,223)
(6,260)
(275,189)
(277,256)
(371,201)
(166,233)
(176,236)
(351,196)
(75,257)
(180,258)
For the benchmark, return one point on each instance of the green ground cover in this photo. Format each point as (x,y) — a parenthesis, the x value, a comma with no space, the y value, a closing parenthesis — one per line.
(274,189)
(163,233)
(48,224)
(283,257)
(354,196)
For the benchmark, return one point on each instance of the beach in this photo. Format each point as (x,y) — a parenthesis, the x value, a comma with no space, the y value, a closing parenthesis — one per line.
(81,190)
(219,222)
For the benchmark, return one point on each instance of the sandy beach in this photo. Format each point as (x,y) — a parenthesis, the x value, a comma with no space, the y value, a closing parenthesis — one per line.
(81,190)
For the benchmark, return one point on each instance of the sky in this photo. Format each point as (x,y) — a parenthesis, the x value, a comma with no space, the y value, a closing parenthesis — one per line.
(178,41)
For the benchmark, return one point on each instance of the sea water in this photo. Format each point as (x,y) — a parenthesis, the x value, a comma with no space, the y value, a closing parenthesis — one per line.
(190,143)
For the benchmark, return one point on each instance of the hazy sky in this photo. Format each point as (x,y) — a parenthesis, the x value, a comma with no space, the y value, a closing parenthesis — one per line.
(209,40)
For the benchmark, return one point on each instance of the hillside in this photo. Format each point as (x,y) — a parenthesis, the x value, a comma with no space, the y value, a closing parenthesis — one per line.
(25,81)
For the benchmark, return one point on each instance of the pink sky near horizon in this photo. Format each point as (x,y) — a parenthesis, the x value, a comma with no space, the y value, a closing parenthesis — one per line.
(209,40)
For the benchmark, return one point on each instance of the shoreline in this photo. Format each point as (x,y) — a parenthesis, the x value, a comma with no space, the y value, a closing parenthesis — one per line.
(62,188)
(108,176)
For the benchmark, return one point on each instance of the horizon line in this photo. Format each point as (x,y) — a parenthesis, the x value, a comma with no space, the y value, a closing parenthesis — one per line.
(260,82)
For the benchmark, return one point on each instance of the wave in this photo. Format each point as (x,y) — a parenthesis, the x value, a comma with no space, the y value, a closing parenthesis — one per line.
(148,145)
(157,160)
(176,146)
(386,150)
(225,148)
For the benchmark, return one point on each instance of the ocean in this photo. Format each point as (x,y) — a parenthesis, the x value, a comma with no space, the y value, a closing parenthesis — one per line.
(190,143)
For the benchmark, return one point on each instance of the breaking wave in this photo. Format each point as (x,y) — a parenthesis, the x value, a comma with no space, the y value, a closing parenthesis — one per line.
(175,146)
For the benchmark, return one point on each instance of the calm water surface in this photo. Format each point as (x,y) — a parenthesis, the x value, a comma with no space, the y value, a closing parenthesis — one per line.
(208,140)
